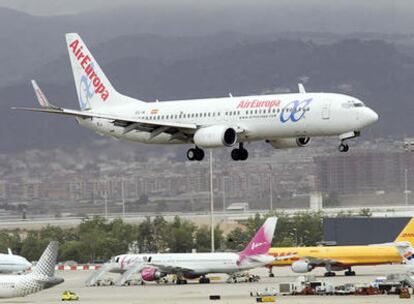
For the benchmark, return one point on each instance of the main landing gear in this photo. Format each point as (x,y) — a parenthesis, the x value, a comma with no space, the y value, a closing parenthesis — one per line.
(239,153)
(271,274)
(343,147)
(180,281)
(195,154)
(349,272)
(204,280)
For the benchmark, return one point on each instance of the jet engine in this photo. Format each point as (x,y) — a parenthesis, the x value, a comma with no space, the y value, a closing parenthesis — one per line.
(284,143)
(301,267)
(151,274)
(215,136)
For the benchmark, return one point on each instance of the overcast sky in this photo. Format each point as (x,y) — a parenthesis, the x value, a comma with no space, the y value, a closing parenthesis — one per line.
(248,16)
(56,7)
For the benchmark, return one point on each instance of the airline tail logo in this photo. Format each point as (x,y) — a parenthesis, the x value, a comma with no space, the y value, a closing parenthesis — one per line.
(408,255)
(407,234)
(261,242)
(91,83)
(256,245)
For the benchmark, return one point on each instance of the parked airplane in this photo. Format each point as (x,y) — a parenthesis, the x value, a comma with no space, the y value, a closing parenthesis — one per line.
(152,267)
(41,277)
(338,258)
(282,120)
(10,263)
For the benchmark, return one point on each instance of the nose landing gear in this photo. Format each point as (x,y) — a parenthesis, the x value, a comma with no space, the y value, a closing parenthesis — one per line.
(343,147)
(239,153)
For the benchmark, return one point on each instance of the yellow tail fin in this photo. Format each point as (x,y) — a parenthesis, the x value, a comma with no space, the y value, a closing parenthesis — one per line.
(407,234)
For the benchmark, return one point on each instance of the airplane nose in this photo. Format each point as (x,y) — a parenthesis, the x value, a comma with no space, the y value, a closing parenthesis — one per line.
(370,116)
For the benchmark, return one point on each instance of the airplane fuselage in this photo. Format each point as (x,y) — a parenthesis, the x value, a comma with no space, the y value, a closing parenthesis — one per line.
(265,117)
(199,263)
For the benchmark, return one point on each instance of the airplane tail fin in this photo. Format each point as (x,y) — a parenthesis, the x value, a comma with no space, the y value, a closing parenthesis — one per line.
(262,241)
(46,264)
(92,86)
(406,251)
(407,234)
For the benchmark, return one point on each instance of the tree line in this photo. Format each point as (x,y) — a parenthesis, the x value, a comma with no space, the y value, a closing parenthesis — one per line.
(98,239)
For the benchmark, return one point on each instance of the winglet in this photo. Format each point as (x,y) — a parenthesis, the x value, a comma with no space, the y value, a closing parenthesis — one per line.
(9,251)
(301,88)
(41,97)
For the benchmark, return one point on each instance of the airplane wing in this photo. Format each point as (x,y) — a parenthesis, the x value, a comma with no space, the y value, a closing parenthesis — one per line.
(320,262)
(170,268)
(128,123)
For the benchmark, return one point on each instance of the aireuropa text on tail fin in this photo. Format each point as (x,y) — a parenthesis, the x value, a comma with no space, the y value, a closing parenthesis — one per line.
(46,264)
(407,234)
(261,242)
(92,86)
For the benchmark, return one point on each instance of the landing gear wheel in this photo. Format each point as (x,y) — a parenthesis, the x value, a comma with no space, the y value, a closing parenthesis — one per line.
(244,154)
(235,154)
(195,154)
(271,275)
(350,273)
(181,281)
(239,153)
(199,154)
(343,147)
(191,154)
(330,274)
(204,280)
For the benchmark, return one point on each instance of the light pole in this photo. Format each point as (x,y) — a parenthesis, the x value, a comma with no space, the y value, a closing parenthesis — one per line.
(224,194)
(211,201)
(123,197)
(271,186)
(406,186)
(106,198)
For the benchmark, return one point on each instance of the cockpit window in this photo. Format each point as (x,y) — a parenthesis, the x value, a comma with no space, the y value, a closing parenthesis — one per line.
(358,104)
(353,104)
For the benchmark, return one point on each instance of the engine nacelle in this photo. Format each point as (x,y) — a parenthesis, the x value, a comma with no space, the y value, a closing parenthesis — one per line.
(285,143)
(215,136)
(301,267)
(151,274)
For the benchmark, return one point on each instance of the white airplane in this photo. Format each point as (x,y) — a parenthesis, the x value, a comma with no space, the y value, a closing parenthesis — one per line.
(41,277)
(283,120)
(153,267)
(10,263)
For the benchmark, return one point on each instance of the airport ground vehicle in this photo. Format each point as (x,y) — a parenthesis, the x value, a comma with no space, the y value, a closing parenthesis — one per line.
(68,295)
(268,291)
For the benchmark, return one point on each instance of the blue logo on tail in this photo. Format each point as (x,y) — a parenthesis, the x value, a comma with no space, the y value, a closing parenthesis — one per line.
(86,92)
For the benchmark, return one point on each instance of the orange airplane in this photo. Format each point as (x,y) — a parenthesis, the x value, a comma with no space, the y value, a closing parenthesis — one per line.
(338,258)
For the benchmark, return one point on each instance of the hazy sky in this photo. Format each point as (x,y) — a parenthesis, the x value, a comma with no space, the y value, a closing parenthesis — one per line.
(56,7)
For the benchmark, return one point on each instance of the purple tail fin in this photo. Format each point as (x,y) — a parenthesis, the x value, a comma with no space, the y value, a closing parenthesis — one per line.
(262,241)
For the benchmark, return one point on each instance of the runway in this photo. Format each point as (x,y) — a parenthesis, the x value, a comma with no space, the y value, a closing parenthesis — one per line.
(199,293)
